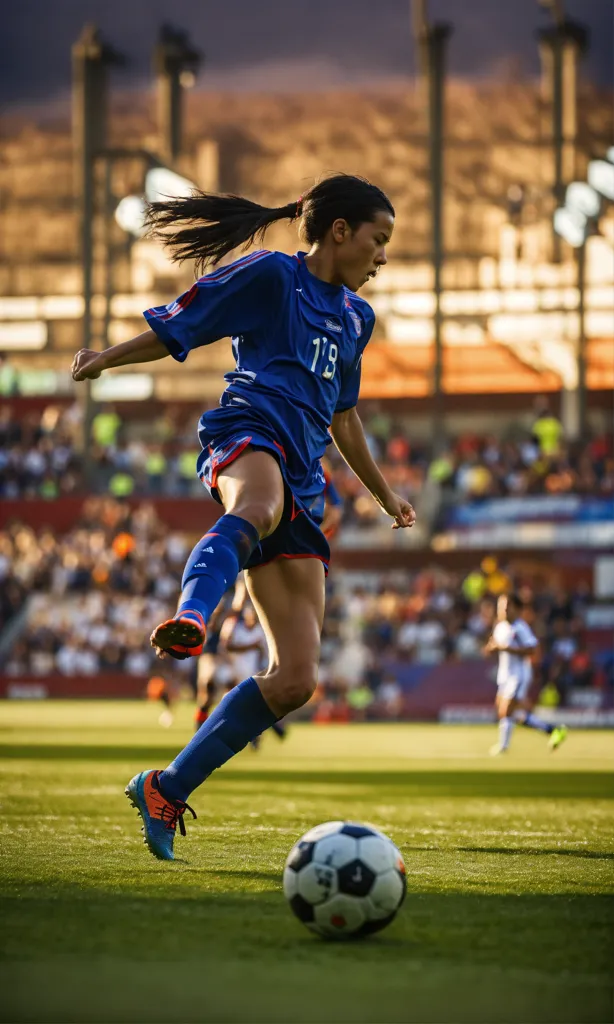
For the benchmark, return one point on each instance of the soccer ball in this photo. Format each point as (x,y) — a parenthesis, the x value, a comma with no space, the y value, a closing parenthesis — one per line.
(344,879)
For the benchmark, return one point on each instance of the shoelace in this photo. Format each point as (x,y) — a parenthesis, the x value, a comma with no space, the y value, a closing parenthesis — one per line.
(177,811)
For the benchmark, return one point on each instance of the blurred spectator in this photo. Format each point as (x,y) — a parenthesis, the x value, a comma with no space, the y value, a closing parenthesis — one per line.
(105,427)
(547,431)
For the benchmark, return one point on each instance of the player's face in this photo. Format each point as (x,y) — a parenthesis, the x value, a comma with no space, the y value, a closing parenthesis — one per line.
(511,612)
(361,253)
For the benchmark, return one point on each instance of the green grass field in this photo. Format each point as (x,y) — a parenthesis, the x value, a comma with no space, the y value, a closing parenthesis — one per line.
(508,915)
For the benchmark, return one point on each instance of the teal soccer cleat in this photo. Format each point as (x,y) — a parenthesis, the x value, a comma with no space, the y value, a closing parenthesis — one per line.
(160,816)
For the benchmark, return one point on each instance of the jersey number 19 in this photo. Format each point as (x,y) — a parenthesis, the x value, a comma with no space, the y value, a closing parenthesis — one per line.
(329,356)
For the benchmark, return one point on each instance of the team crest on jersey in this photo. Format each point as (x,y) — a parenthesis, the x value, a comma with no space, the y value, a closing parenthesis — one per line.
(332,326)
(354,317)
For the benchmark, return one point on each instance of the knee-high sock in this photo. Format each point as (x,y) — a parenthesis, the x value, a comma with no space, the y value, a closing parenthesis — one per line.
(214,564)
(505,732)
(533,722)
(241,716)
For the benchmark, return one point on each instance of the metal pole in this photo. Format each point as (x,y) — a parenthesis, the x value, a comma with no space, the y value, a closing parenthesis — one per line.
(437,43)
(176,63)
(433,42)
(108,250)
(88,127)
(582,409)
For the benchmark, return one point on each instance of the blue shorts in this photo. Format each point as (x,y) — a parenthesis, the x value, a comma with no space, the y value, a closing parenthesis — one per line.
(298,534)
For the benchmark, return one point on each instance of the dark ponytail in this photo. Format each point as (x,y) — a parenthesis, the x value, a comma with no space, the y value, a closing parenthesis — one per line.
(217,224)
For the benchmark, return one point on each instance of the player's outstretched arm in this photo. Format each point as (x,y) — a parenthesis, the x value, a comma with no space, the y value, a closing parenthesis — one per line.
(349,437)
(146,347)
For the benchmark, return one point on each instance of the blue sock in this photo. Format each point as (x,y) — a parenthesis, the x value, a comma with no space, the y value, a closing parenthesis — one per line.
(533,722)
(241,716)
(214,564)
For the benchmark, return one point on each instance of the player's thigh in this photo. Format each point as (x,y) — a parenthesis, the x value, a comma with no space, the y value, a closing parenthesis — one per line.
(288,595)
(252,487)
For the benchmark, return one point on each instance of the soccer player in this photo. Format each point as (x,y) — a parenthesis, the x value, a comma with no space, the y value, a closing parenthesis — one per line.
(514,641)
(299,332)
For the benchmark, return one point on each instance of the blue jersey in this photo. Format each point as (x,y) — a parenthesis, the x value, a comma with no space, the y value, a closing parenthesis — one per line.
(297,342)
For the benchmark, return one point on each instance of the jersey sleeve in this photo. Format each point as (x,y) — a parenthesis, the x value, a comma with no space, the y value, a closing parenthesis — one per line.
(524,635)
(231,301)
(350,386)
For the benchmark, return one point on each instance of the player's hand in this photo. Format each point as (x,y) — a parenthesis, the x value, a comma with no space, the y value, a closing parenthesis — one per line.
(400,510)
(490,647)
(86,365)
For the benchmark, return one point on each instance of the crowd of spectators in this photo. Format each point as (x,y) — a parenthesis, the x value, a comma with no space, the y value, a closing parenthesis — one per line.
(476,467)
(40,457)
(92,596)
(41,454)
(375,621)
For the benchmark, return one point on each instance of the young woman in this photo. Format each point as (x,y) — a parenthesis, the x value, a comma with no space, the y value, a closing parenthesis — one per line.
(299,332)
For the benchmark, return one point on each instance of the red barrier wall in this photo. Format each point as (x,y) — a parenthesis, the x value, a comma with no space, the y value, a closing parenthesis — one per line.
(191,514)
(97,687)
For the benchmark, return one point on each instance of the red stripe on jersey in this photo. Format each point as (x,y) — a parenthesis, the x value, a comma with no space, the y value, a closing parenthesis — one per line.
(253,257)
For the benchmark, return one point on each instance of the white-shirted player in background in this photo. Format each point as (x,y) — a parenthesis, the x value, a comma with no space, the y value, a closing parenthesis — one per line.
(515,642)
(243,639)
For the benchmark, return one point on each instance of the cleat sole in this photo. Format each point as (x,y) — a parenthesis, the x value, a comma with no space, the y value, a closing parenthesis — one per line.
(183,635)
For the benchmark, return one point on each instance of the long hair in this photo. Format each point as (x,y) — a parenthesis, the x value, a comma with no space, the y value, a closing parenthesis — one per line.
(205,227)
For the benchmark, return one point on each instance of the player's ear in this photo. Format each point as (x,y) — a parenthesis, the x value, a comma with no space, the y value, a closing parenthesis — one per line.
(340,230)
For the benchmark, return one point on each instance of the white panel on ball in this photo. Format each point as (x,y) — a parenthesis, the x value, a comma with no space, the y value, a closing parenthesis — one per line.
(319,831)
(340,916)
(377,852)
(387,891)
(336,850)
(316,882)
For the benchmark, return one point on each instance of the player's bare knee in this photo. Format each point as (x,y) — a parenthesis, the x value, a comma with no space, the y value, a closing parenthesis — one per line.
(292,687)
(262,514)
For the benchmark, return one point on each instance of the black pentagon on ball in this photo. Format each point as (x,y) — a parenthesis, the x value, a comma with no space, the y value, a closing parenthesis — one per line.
(355,878)
(302,909)
(401,875)
(370,927)
(301,854)
(357,831)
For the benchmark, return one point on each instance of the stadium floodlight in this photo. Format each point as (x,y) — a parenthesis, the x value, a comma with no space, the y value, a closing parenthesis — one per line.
(130,215)
(572,225)
(601,176)
(160,183)
(583,197)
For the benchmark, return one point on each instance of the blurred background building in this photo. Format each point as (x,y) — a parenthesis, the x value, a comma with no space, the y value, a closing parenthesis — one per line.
(487,388)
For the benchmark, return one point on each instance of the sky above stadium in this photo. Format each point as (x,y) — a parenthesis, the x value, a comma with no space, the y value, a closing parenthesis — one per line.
(263,45)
